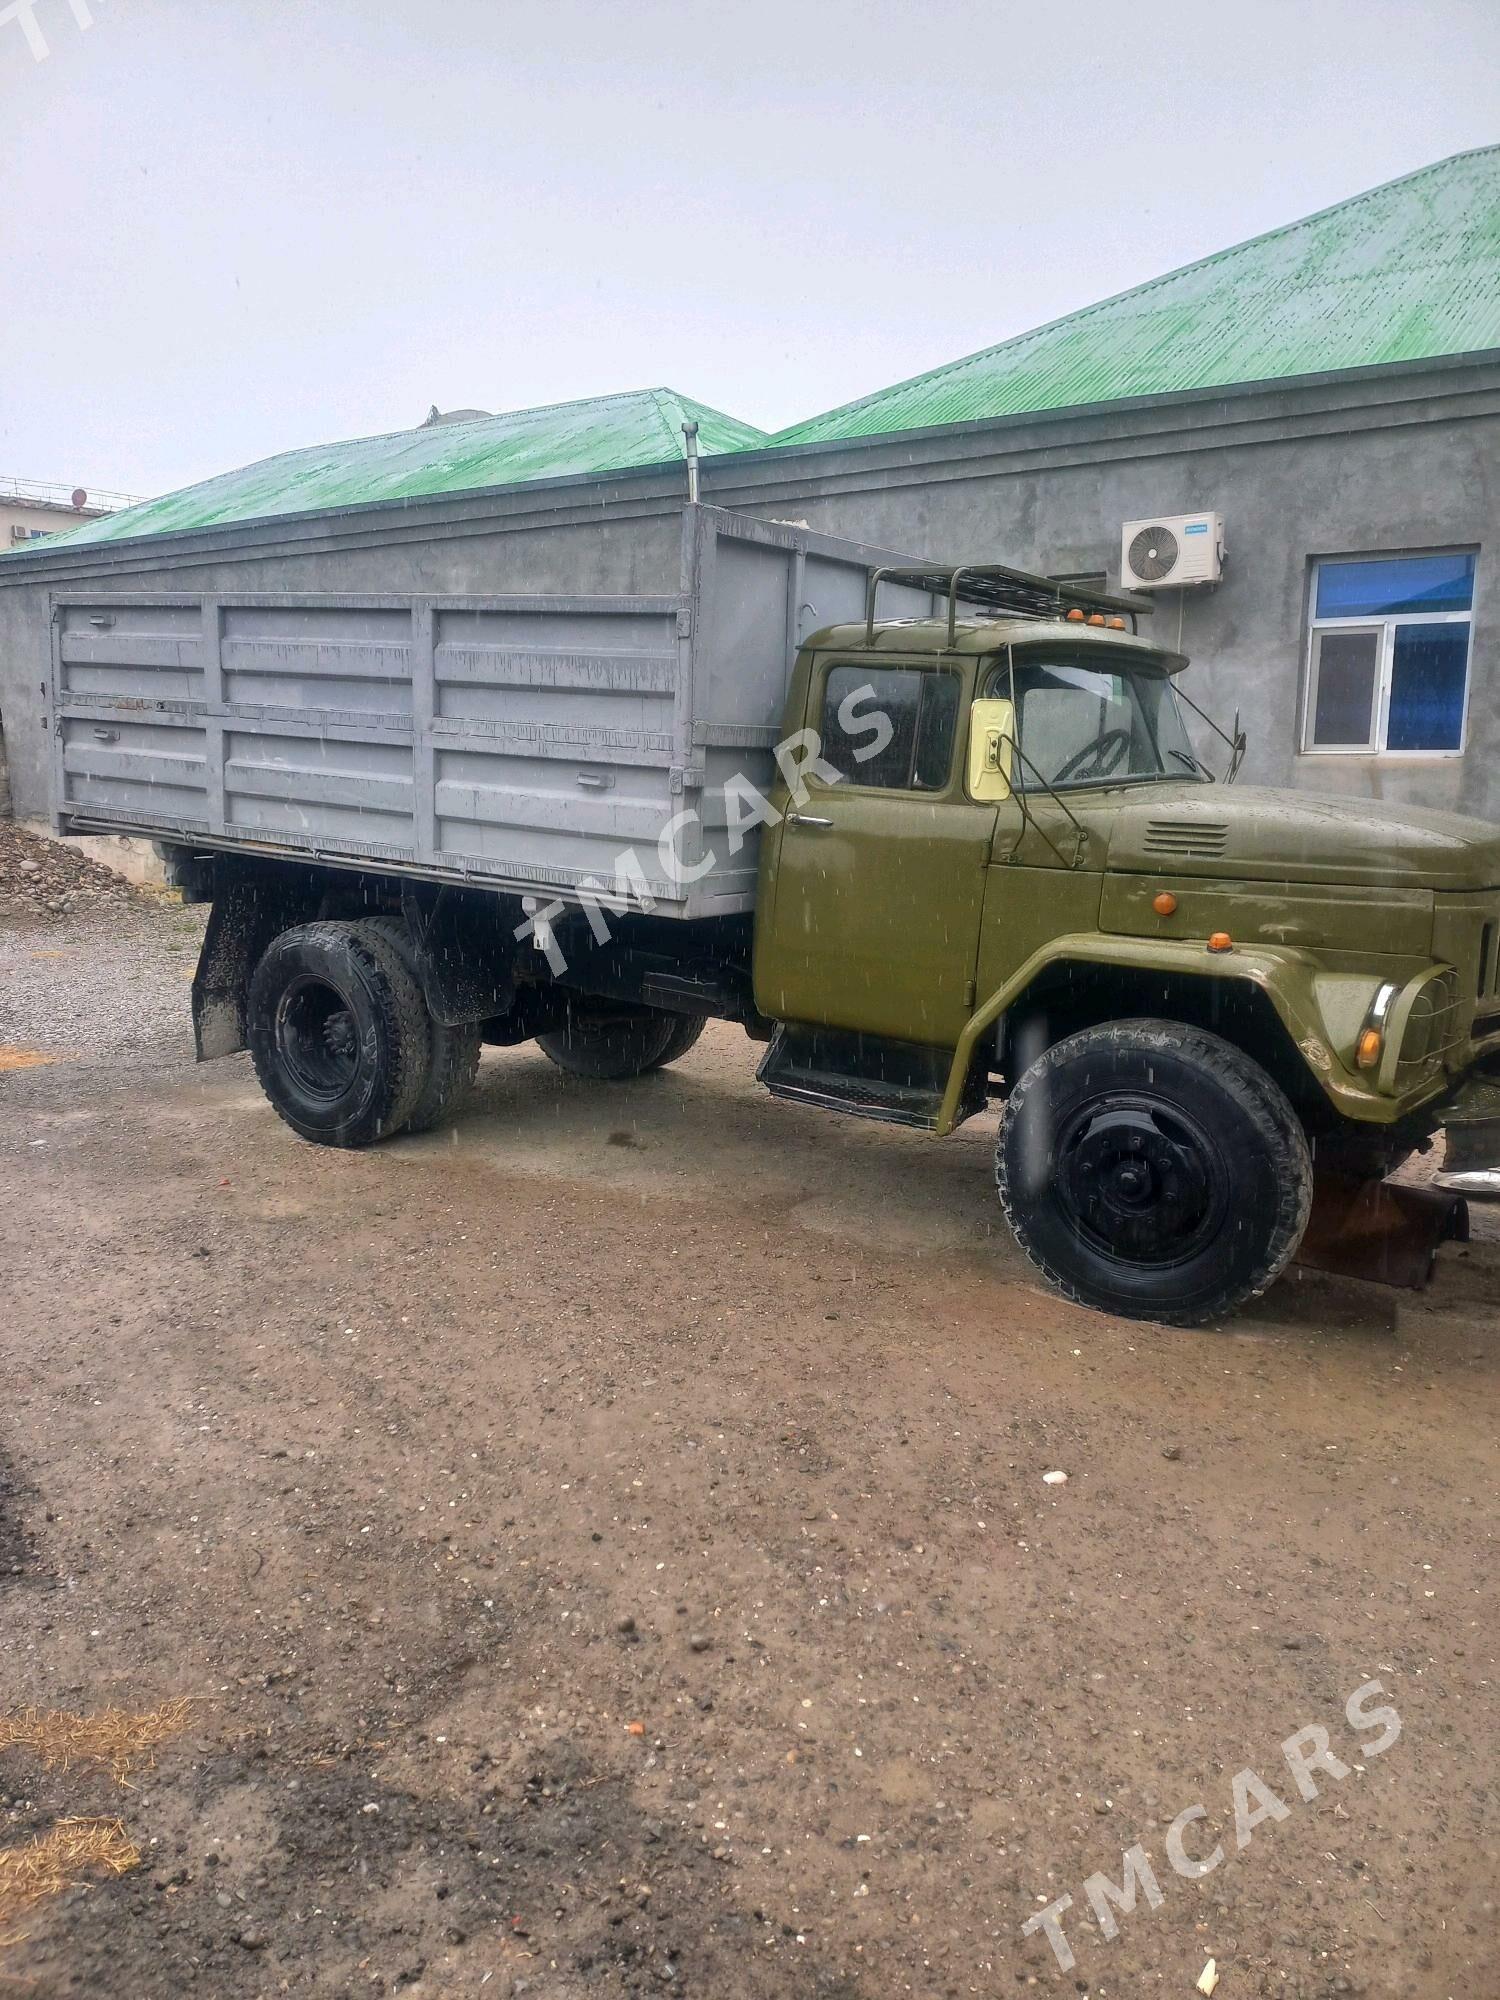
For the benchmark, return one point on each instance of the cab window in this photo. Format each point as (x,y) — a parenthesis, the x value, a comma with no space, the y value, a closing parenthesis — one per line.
(1080,723)
(1064,711)
(920,705)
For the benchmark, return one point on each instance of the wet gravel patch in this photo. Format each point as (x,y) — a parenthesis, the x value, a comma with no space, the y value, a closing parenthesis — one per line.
(106,985)
(18,1559)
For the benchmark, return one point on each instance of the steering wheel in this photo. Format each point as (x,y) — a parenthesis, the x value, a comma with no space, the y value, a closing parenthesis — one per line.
(1107,751)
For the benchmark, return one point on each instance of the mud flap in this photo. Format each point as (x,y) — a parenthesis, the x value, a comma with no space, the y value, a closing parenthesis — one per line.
(1380,1230)
(248,911)
(464,953)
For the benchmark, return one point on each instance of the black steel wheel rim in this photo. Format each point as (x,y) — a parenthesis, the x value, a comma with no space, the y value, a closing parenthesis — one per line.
(1139,1180)
(317,1039)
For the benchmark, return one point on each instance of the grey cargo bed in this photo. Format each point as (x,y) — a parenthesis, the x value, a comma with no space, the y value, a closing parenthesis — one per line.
(522,741)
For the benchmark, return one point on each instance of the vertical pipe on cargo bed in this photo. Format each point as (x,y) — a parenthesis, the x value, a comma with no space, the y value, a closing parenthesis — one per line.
(690,432)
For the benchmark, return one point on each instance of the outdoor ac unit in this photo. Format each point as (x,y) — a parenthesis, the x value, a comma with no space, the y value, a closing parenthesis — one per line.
(1172,552)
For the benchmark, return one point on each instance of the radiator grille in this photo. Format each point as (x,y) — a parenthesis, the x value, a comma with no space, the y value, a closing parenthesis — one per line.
(1433,1028)
(1489,964)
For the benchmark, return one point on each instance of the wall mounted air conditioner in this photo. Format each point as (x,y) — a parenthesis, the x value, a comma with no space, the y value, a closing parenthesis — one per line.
(1172,552)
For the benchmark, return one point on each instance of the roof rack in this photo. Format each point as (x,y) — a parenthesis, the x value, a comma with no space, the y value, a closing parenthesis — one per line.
(998,589)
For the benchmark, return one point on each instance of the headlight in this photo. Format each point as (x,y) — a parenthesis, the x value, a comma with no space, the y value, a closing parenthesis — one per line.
(1371,1044)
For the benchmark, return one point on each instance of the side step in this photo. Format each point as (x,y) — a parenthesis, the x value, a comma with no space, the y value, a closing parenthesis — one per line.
(865,1075)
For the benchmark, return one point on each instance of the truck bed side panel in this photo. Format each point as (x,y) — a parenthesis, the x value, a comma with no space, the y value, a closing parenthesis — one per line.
(529,741)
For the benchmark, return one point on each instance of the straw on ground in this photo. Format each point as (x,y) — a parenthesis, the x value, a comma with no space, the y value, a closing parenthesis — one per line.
(58,1860)
(115,1738)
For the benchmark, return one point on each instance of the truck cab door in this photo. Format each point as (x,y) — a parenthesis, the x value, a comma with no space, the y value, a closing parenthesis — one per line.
(873,884)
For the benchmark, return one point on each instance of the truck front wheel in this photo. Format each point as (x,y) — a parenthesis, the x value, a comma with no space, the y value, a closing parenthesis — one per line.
(339,1032)
(618,1041)
(1152,1169)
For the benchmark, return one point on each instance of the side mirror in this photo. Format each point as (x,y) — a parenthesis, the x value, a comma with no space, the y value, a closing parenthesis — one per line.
(992,744)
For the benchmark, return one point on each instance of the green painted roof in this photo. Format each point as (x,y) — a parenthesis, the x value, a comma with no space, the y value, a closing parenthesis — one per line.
(1405,272)
(599,434)
(1408,271)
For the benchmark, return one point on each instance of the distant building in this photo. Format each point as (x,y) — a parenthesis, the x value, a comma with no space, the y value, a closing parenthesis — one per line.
(33,509)
(437,416)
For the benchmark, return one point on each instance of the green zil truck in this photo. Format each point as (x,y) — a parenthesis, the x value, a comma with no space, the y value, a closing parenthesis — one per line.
(937,838)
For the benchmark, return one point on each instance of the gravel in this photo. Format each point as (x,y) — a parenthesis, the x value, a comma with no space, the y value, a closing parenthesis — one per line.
(105,981)
(49,878)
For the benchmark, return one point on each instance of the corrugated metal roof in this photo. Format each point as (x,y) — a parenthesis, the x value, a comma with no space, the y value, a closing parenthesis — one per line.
(1404,272)
(1408,271)
(599,434)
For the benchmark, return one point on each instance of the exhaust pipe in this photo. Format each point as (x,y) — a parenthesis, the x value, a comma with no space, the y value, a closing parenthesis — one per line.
(690,432)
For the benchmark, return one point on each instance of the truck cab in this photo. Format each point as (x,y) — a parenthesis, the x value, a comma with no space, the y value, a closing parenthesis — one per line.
(1008,871)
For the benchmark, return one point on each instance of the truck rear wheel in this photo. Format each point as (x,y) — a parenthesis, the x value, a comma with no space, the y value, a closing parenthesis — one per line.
(451,1071)
(620,1041)
(1153,1170)
(339,1032)
(453,1052)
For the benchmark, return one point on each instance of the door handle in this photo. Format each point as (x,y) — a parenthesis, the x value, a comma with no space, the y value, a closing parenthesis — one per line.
(807,819)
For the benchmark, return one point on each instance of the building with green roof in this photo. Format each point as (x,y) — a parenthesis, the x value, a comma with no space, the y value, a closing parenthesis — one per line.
(643,427)
(1406,272)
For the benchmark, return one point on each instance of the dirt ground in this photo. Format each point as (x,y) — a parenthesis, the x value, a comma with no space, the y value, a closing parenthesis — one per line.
(609,1550)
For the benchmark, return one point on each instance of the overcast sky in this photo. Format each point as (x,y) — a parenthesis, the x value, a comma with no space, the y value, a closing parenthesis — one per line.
(234,226)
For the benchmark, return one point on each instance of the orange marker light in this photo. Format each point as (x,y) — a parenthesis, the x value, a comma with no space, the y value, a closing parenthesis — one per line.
(1221,941)
(1075,616)
(1115,624)
(1097,619)
(1164,904)
(1371,1042)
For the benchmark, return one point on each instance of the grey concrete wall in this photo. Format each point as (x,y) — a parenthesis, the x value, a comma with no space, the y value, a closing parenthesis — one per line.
(1387,460)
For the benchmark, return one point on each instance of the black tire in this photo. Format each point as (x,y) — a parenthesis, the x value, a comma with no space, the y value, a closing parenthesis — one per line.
(453,1058)
(450,1074)
(1152,1170)
(338,1032)
(620,1042)
(685,1032)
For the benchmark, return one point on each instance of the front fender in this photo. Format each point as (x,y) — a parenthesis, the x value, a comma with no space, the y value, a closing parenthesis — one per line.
(1321,1011)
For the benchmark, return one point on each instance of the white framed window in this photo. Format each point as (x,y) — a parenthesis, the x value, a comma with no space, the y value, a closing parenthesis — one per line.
(1388,656)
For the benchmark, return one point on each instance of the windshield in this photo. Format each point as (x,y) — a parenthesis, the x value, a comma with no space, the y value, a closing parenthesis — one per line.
(1089,725)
